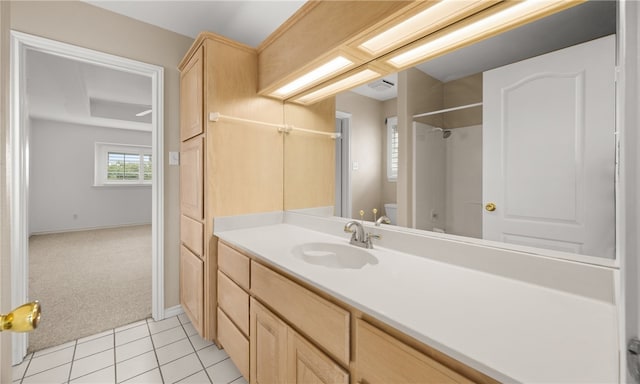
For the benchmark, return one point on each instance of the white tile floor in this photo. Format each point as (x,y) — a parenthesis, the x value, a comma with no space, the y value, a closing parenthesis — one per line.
(167,351)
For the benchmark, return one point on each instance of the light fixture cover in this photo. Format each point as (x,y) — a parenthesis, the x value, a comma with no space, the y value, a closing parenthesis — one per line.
(339,86)
(514,15)
(434,17)
(320,73)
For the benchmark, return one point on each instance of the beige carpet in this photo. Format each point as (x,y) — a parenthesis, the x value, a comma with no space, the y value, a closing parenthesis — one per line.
(89,281)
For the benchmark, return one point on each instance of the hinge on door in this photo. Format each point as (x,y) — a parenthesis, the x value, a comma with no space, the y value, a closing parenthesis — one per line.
(616,74)
(633,359)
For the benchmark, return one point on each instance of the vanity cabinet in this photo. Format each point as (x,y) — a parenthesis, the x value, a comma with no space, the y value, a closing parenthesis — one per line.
(227,167)
(299,334)
(321,320)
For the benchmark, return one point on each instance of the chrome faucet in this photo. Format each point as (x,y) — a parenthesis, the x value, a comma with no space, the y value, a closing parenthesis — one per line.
(358,237)
(383,220)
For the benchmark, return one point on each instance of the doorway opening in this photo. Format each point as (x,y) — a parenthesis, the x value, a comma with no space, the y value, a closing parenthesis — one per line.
(95,108)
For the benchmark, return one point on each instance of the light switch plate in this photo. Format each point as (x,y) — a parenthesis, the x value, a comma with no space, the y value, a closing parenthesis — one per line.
(174,158)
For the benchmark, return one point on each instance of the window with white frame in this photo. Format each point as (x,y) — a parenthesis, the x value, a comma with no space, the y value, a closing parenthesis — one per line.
(392,148)
(122,164)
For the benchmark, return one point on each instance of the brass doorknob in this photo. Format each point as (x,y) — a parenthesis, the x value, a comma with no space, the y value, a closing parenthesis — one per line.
(490,207)
(25,318)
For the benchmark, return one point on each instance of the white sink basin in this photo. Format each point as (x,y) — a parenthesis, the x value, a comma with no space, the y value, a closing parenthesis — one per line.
(332,255)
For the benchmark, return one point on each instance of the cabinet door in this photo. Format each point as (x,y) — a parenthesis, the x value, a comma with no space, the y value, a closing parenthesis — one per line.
(192,178)
(307,364)
(268,346)
(191,287)
(191,97)
(383,359)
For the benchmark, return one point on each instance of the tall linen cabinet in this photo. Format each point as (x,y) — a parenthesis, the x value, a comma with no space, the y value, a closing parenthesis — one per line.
(226,167)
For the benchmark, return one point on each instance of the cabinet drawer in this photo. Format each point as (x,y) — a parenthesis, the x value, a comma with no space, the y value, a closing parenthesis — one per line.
(234,343)
(234,302)
(234,264)
(192,235)
(319,319)
(380,358)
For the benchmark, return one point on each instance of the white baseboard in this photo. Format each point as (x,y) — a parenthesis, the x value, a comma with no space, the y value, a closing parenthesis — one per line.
(173,311)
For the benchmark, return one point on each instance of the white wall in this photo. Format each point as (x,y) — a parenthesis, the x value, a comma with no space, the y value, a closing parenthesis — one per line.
(367,128)
(61,181)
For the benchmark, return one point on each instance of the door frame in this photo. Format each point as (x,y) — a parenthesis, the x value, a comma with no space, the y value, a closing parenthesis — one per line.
(19,179)
(343,178)
(628,186)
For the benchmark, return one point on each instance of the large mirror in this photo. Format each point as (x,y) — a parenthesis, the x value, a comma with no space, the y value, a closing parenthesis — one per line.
(427,147)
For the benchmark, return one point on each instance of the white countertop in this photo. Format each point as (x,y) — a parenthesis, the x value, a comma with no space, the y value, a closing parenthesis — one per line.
(512,330)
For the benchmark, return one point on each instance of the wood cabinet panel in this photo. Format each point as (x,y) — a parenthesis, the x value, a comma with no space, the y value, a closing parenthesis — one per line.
(191,97)
(268,346)
(307,364)
(192,178)
(380,358)
(191,287)
(234,264)
(295,48)
(234,302)
(246,168)
(192,235)
(324,322)
(310,159)
(234,343)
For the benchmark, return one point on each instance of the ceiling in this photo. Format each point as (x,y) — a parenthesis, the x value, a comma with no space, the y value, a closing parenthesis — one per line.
(63,89)
(249,22)
(71,91)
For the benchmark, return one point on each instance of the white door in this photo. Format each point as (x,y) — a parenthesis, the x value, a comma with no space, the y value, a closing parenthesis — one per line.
(549,150)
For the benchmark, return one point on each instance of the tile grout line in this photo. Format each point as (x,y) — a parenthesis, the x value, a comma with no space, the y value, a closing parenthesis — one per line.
(26,368)
(48,369)
(197,355)
(154,350)
(115,358)
(73,357)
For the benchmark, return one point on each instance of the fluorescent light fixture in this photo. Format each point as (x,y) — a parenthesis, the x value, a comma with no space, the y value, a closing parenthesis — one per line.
(317,74)
(144,113)
(429,19)
(339,86)
(476,30)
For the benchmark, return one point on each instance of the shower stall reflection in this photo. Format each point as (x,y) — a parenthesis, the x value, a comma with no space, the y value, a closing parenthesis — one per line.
(447,179)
